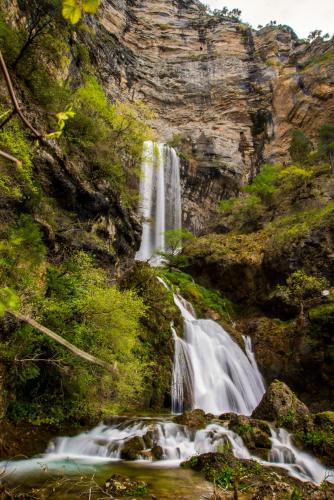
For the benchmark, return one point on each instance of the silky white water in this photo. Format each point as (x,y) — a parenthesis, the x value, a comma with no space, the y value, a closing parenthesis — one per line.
(160,199)
(178,443)
(221,377)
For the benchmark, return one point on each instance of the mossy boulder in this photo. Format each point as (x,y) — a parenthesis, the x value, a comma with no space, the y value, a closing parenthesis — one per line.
(319,438)
(232,476)
(194,419)
(282,407)
(132,448)
(254,433)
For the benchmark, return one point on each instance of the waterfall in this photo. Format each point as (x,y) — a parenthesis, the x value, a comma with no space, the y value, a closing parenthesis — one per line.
(160,199)
(212,371)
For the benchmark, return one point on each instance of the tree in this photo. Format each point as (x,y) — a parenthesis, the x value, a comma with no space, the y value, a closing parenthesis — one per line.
(176,238)
(326,145)
(300,147)
(39,15)
(302,289)
(313,35)
(72,11)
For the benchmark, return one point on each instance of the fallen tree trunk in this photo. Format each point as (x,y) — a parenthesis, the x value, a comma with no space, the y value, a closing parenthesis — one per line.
(75,350)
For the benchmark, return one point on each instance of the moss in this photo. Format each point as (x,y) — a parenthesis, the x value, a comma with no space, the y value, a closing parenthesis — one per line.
(156,334)
(323,313)
(203,299)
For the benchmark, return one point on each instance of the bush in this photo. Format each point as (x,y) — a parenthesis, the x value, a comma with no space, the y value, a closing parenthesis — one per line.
(264,185)
(111,136)
(16,180)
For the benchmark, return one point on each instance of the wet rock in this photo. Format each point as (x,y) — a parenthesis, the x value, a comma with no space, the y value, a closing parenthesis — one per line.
(157,452)
(122,486)
(194,419)
(132,448)
(259,482)
(281,405)
(254,433)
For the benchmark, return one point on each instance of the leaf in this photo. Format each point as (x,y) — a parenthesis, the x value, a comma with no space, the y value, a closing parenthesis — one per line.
(54,135)
(90,6)
(71,11)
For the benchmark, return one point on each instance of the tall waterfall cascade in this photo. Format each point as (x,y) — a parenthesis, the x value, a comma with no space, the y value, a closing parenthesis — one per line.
(160,199)
(211,371)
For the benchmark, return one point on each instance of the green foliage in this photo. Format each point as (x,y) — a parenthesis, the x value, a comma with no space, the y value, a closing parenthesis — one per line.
(203,299)
(326,143)
(263,185)
(21,256)
(156,334)
(175,239)
(77,301)
(289,420)
(16,180)
(300,147)
(226,206)
(72,10)
(62,118)
(293,177)
(111,136)
(9,40)
(8,300)
(301,288)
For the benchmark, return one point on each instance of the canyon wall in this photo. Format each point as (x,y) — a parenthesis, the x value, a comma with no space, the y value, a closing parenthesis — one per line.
(227,95)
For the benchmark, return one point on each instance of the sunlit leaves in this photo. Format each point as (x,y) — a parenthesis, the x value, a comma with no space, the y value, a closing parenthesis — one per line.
(90,6)
(72,10)
(8,300)
(62,118)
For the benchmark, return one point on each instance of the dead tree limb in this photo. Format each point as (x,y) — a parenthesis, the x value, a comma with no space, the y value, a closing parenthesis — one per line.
(14,100)
(9,157)
(75,350)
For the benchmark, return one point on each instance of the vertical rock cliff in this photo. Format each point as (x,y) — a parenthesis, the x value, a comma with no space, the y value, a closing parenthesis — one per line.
(228,94)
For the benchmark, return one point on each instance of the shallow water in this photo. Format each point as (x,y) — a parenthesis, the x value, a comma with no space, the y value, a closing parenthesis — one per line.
(72,478)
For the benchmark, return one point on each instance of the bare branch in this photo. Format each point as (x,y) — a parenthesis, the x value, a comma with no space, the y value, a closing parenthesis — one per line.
(13,98)
(9,157)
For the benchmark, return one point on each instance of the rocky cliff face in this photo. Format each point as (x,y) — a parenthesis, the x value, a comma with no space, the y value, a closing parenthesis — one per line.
(231,94)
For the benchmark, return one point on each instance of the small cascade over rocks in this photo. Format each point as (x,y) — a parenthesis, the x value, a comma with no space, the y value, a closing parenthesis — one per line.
(211,371)
(164,443)
(160,199)
(300,465)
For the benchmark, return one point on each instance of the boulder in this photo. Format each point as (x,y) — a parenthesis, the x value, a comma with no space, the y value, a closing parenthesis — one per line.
(157,452)
(132,448)
(194,419)
(282,407)
(254,433)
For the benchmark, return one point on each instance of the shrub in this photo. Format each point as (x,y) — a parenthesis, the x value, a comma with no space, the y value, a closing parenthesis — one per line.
(264,185)
(300,147)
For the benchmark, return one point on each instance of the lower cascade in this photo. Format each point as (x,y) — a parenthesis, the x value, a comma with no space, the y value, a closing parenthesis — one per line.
(165,443)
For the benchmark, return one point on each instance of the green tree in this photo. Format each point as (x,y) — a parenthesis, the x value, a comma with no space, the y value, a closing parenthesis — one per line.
(302,289)
(40,15)
(300,147)
(326,143)
(175,239)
